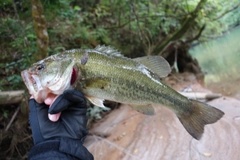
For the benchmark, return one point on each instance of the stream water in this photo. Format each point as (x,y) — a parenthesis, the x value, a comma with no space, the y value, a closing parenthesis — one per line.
(220,60)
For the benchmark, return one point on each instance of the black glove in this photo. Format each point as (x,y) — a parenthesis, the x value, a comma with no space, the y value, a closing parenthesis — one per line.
(71,124)
(62,139)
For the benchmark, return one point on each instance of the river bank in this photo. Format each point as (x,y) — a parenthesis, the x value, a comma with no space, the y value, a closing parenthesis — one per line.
(219,60)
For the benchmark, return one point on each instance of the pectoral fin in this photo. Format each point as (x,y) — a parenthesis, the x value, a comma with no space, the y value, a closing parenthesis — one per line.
(96,101)
(156,64)
(144,109)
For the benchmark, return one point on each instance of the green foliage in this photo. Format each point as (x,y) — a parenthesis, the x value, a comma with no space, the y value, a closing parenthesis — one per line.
(135,27)
(5,3)
(17,43)
(232,19)
(4,112)
(215,14)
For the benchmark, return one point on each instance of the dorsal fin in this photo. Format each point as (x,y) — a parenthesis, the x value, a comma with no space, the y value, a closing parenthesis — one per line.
(156,64)
(108,51)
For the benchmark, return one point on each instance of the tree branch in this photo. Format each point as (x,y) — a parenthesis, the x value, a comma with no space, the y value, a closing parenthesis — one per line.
(11,97)
(137,20)
(185,26)
(227,11)
(40,26)
(198,35)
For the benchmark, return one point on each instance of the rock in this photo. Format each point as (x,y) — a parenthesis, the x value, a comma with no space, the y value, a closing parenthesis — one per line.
(163,137)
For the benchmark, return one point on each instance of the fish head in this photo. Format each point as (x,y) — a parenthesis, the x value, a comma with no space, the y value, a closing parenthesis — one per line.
(51,75)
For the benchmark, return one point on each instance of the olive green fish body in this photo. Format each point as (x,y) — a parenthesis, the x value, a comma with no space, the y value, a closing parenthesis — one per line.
(123,80)
(103,74)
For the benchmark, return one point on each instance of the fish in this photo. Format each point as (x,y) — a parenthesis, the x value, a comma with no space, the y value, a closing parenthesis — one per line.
(103,73)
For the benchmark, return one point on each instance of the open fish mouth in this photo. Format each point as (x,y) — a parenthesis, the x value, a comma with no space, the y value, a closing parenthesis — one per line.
(32,82)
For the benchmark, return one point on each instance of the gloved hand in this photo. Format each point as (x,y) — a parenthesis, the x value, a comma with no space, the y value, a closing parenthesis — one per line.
(72,123)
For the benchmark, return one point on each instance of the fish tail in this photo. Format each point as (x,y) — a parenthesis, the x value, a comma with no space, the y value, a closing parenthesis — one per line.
(198,116)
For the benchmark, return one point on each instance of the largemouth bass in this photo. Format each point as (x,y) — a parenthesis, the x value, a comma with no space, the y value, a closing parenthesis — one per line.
(104,74)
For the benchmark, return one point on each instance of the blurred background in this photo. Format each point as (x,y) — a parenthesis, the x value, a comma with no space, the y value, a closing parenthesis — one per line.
(197,37)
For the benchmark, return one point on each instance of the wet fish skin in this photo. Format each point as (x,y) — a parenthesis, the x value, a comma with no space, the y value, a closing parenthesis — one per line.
(104,74)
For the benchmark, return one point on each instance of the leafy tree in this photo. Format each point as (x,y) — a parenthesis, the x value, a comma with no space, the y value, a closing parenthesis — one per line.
(135,27)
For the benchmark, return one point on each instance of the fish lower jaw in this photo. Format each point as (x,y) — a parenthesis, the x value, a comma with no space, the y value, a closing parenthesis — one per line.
(33,90)
(34,87)
(31,83)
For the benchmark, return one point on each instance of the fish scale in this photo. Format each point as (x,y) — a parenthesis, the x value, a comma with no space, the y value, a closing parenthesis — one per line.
(120,87)
(127,90)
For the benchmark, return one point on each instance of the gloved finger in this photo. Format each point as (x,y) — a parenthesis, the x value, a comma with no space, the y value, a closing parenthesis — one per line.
(48,101)
(34,120)
(68,98)
(74,96)
(54,117)
(59,105)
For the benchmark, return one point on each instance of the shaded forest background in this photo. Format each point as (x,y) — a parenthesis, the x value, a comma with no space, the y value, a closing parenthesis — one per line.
(31,30)
(136,28)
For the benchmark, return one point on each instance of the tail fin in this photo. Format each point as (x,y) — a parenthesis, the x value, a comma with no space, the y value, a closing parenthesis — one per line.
(199,115)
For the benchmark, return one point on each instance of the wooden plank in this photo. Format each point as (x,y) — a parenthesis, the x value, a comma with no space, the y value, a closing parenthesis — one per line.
(201,95)
(11,97)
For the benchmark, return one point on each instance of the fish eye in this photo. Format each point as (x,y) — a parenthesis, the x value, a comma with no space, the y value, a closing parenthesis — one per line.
(40,67)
